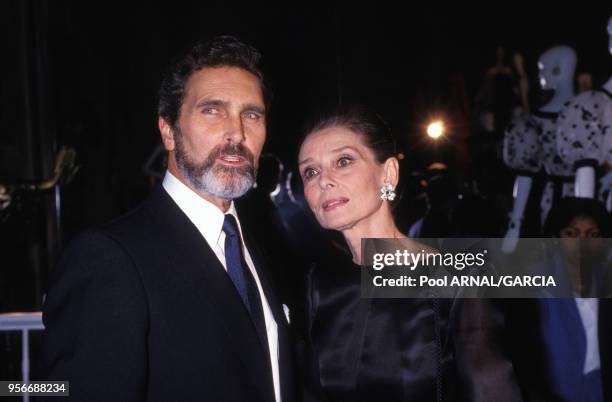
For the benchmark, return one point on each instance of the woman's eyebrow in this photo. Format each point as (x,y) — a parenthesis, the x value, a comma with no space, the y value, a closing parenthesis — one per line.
(346,147)
(305,161)
(343,148)
(335,150)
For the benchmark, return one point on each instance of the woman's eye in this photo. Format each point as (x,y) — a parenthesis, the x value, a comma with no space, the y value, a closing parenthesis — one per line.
(344,161)
(569,233)
(309,173)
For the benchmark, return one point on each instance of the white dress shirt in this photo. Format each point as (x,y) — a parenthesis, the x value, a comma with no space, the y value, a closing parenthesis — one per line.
(589,310)
(208,219)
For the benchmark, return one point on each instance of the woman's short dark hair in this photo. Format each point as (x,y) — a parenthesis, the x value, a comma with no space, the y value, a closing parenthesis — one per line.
(362,121)
(569,208)
(221,51)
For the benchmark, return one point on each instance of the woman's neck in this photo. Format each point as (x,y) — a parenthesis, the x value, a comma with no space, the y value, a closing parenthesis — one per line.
(378,226)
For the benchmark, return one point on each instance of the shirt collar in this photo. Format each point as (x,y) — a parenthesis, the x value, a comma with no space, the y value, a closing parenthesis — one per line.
(206,216)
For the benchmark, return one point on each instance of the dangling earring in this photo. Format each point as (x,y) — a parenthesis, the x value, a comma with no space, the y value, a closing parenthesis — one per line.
(387,192)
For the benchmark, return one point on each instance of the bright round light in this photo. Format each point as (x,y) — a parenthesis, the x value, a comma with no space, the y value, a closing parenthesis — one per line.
(435,129)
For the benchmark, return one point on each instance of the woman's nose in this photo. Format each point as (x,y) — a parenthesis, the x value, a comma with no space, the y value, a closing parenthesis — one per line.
(326,182)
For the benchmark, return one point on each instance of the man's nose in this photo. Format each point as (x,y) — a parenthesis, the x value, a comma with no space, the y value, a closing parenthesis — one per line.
(234,130)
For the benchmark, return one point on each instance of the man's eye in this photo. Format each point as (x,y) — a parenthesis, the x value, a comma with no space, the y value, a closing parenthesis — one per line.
(210,110)
(252,115)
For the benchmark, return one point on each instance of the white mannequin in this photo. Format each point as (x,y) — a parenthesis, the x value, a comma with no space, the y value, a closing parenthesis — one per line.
(608,84)
(557,67)
(606,181)
(556,72)
(588,155)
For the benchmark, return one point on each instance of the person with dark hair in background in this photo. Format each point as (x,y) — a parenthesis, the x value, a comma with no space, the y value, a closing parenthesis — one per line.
(573,212)
(369,348)
(562,350)
(171,301)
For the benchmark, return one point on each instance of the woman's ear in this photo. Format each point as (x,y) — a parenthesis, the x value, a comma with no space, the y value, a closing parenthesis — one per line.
(391,171)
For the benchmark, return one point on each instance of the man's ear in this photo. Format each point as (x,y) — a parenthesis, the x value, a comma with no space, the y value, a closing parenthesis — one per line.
(167,133)
(391,171)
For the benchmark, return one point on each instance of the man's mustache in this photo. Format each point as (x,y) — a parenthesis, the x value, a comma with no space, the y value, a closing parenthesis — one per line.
(233,149)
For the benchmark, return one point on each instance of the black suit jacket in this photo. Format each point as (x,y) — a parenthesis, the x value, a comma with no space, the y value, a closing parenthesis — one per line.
(142,310)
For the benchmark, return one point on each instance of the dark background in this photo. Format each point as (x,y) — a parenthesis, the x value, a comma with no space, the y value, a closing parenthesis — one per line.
(85,75)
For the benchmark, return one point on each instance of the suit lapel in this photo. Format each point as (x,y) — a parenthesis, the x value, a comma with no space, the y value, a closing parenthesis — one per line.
(285,359)
(196,259)
(260,267)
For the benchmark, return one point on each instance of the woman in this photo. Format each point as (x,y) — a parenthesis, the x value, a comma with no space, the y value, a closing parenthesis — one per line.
(581,224)
(366,349)
(564,352)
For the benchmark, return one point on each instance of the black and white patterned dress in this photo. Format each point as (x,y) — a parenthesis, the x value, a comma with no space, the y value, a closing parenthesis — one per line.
(584,128)
(560,172)
(530,145)
(584,131)
(522,148)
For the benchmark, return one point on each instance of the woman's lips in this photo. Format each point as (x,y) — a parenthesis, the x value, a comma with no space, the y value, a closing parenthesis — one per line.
(333,203)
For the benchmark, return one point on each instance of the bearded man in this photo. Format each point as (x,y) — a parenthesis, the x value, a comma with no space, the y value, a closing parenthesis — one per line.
(170,302)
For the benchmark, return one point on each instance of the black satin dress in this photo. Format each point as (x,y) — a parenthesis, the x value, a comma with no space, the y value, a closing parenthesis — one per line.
(372,349)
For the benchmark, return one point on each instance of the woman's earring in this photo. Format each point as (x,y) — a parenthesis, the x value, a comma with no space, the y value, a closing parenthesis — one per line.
(387,192)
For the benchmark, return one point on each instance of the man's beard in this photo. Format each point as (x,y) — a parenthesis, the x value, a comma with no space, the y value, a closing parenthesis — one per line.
(221,181)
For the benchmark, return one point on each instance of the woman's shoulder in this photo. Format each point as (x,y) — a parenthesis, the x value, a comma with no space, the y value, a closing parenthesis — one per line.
(333,271)
(404,243)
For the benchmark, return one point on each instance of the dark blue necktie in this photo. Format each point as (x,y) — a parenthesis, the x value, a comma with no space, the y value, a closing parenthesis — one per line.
(241,275)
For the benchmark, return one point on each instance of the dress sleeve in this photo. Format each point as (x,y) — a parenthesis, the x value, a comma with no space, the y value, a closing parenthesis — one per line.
(521,146)
(582,130)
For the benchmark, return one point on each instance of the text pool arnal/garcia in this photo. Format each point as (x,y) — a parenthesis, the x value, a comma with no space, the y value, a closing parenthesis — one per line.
(467,281)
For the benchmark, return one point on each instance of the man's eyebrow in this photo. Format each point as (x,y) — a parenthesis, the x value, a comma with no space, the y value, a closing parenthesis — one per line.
(211,102)
(251,107)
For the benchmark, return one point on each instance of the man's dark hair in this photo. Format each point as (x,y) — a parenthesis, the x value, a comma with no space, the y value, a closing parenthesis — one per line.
(221,51)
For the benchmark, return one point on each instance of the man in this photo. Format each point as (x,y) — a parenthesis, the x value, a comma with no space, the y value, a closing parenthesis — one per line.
(170,302)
